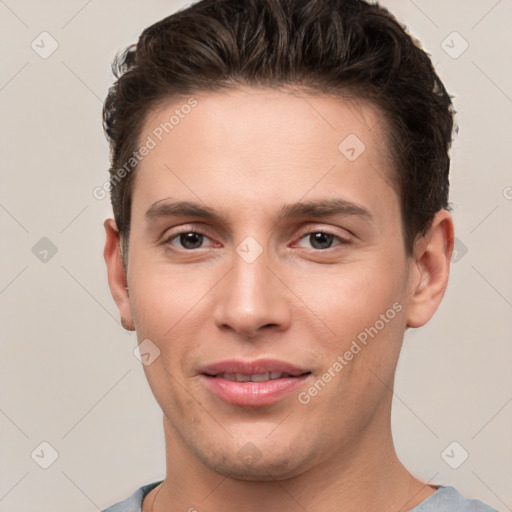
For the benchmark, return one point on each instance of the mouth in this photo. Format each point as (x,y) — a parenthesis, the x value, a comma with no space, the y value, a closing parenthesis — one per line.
(261,377)
(253,383)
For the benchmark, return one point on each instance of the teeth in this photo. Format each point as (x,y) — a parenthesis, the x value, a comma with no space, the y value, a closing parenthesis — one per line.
(239,377)
(259,378)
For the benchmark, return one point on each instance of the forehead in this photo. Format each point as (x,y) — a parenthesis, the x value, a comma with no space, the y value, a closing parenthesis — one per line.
(252,146)
(293,114)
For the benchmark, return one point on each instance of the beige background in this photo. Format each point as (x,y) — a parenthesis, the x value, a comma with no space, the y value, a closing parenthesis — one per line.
(68,373)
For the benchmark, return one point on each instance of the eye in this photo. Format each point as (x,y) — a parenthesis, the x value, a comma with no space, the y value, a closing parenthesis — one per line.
(188,239)
(321,240)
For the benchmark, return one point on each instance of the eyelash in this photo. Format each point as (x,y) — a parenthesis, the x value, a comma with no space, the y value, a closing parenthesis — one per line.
(343,241)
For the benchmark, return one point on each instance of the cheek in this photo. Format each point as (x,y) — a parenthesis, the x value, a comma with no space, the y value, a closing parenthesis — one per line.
(163,296)
(168,305)
(355,296)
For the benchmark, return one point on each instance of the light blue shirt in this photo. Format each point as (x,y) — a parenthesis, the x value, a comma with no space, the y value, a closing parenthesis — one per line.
(445,499)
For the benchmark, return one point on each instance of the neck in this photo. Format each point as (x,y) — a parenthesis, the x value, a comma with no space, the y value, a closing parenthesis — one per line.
(364,474)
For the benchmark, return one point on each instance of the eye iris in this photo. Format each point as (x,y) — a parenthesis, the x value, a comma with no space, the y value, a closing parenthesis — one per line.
(191,240)
(322,239)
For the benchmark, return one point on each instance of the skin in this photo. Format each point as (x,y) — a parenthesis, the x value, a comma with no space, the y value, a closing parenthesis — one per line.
(246,153)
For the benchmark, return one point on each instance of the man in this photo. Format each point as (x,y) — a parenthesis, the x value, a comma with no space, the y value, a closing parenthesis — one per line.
(279,180)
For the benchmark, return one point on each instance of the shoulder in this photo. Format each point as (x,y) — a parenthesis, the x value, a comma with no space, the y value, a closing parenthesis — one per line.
(134,502)
(448,499)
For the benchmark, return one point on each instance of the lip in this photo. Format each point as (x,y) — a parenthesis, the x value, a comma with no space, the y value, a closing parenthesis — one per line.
(255,367)
(254,394)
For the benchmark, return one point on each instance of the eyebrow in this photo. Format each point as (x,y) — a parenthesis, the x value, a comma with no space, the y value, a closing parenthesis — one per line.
(316,208)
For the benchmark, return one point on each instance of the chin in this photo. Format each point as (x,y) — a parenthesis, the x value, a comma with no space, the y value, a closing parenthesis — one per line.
(249,464)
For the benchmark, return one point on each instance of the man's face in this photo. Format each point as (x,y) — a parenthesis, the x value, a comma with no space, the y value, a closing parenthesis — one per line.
(300,289)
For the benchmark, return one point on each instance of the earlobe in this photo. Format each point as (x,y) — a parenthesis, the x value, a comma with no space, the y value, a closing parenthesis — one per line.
(117,274)
(432,255)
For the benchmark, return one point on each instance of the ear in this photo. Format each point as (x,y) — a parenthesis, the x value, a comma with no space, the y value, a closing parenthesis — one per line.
(117,274)
(430,269)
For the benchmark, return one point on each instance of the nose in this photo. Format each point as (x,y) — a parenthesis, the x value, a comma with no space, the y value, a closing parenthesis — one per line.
(252,299)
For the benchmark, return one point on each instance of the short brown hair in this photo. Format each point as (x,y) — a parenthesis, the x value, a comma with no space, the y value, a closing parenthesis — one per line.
(347,47)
